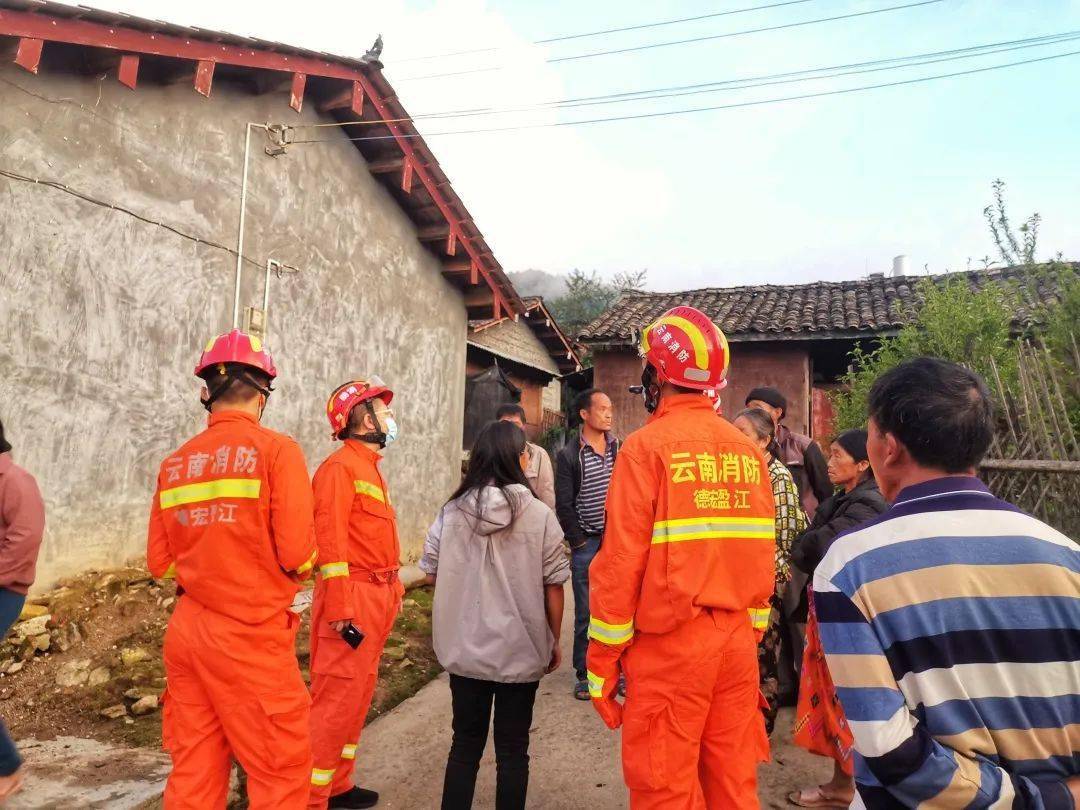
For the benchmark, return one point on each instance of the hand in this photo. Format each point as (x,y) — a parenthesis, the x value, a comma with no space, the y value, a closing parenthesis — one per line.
(610,711)
(10,784)
(340,626)
(556,659)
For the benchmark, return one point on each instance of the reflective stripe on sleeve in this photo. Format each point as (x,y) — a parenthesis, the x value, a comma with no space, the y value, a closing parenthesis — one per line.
(303,569)
(610,633)
(371,490)
(211,490)
(170,572)
(596,685)
(321,777)
(334,569)
(759,617)
(349,752)
(714,528)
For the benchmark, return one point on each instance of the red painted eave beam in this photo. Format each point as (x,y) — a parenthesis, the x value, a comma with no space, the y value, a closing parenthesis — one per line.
(29,27)
(99,35)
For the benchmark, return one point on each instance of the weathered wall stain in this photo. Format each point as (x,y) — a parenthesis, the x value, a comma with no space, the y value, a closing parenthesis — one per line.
(102,316)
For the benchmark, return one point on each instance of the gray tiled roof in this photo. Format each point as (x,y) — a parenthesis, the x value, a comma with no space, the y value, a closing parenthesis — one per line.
(826,309)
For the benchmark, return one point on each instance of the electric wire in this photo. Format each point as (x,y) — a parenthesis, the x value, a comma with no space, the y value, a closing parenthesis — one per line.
(58,186)
(690,110)
(744,83)
(604,31)
(691,40)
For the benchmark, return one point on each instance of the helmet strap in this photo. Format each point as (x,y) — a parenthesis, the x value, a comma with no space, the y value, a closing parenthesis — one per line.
(232,377)
(376,436)
(650,388)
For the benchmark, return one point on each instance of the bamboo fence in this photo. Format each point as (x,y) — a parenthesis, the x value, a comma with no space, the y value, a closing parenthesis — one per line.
(1035,456)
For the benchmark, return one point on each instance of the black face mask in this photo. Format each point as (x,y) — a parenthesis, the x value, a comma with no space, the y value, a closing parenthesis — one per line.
(649,389)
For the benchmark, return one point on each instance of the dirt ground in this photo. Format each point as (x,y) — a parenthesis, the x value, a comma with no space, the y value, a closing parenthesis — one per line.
(117,620)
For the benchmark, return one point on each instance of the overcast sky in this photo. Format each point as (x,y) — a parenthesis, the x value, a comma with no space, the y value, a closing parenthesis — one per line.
(823,188)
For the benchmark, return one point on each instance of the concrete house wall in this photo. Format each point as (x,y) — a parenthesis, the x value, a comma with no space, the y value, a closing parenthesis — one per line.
(102,316)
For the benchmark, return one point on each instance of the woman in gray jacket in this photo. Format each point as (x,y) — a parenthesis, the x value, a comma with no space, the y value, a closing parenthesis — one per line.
(496,555)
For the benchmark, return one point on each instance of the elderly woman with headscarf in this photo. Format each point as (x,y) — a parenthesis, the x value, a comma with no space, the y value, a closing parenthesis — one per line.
(820,726)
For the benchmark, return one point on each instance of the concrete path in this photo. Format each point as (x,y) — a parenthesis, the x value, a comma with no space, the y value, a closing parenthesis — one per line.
(575,759)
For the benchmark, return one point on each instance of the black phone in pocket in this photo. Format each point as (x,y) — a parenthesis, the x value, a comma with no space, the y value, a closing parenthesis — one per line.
(352,636)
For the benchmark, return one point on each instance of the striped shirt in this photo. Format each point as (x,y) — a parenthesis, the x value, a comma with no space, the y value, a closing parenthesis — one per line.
(595,479)
(951,625)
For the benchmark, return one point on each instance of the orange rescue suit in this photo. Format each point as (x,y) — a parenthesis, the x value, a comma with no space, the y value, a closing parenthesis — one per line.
(232,521)
(688,550)
(359,556)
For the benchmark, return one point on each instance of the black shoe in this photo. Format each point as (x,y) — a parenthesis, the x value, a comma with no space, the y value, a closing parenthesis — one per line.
(356,798)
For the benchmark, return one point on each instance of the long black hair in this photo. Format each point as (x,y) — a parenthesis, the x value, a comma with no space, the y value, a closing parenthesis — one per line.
(764,427)
(495,460)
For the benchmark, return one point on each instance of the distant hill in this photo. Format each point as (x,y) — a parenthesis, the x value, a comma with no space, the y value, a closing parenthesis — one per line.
(539,282)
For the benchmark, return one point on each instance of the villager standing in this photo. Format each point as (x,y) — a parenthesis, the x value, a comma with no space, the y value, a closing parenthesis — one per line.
(231,520)
(495,553)
(800,453)
(775,666)
(358,593)
(22,525)
(581,488)
(539,473)
(820,725)
(688,550)
(951,624)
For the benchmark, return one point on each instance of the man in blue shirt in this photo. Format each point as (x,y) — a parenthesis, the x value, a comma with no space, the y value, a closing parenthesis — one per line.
(951,624)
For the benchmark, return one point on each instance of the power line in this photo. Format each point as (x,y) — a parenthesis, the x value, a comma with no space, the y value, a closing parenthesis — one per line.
(689,110)
(744,83)
(81,195)
(605,31)
(706,38)
(764,81)
(651,45)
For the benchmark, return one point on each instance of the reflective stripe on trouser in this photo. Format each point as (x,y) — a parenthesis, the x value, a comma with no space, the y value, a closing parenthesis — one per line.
(343,682)
(212,660)
(596,685)
(709,740)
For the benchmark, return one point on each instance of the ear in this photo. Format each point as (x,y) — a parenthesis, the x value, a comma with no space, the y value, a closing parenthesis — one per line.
(204,394)
(893,450)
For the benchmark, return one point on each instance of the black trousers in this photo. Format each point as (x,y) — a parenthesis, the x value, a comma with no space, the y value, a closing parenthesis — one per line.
(472,701)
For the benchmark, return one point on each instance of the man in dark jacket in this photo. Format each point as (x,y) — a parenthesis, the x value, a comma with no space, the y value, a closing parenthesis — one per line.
(799,453)
(582,475)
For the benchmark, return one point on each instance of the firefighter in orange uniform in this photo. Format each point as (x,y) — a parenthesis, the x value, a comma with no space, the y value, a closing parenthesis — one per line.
(232,521)
(688,551)
(357,588)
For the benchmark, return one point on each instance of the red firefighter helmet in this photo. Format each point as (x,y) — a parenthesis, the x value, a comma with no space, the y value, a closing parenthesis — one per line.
(348,396)
(236,347)
(687,350)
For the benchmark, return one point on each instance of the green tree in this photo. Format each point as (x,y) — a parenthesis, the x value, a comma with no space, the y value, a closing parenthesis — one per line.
(1015,248)
(587,296)
(954,322)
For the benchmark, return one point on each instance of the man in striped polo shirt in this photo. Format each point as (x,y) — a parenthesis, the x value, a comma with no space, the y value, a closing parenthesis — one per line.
(951,624)
(581,487)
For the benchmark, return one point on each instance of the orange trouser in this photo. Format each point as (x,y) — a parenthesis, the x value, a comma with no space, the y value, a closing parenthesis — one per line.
(692,732)
(234,691)
(343,683)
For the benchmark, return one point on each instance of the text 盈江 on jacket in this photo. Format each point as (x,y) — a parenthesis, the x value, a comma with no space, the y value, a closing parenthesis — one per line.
(492,551)
(567,486)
